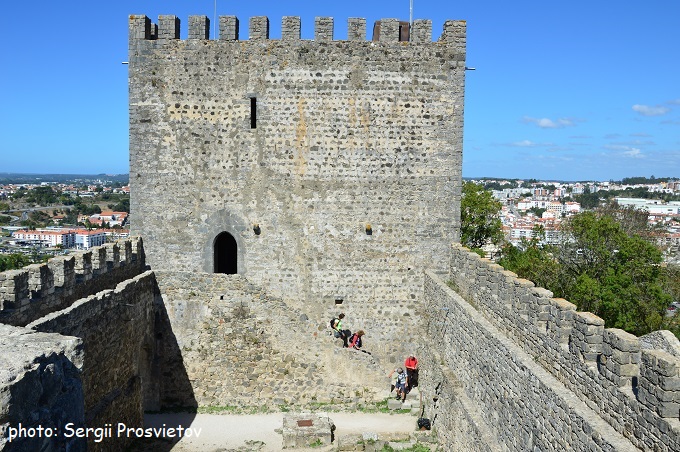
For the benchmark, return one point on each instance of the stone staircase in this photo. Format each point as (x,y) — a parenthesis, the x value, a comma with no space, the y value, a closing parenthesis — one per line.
(412,403)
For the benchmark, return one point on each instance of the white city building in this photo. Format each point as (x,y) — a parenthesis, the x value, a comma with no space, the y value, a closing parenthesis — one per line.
(87,239)
(46,238)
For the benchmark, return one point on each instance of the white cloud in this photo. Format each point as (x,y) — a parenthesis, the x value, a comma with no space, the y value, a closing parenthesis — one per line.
(674,102)
(524,144)
(546,123)
(648,110)
(627,151)
(529,144)
(633,153)
(635,143)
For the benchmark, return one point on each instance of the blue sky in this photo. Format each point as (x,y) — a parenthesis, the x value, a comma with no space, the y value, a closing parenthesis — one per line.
(579,90)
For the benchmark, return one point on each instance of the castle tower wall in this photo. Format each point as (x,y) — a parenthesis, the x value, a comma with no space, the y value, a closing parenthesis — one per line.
(335,164)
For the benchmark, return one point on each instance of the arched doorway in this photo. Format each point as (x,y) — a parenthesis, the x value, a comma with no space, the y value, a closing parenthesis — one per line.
(225,254)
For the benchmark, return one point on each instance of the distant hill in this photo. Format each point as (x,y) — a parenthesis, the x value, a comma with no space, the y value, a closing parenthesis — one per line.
(29,178)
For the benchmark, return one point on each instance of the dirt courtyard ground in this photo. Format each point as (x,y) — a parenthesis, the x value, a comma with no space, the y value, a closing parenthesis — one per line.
(261,432)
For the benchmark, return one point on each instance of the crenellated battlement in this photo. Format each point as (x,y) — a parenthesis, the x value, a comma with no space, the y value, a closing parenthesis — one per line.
(39,289)
(384,31)
(623,377)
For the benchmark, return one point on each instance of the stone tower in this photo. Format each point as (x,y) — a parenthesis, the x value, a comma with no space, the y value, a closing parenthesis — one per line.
(318,168)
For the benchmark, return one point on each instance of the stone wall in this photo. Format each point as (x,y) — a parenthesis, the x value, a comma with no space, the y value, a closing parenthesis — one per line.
(40,387)
(223,341)
(457,422)
(115,329)
(335,165)
(32,292)
(518,352)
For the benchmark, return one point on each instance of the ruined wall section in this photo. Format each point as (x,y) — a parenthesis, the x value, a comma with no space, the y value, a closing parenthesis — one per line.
(347,134)
(34,291)
(631,387)
(115,329)
(224,341)
(40,386)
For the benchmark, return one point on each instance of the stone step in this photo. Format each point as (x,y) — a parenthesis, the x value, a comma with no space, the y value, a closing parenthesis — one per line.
(394,404)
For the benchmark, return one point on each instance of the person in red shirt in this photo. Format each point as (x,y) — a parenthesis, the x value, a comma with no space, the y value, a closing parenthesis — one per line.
(411,365)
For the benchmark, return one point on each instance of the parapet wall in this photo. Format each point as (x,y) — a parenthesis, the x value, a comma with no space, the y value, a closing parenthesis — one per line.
(115,327)
(80,348)
(32,292)
(168,27)
(575,363)
(517,401)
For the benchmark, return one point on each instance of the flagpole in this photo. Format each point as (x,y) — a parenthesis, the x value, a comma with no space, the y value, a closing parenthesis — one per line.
(215,21)
(410,14)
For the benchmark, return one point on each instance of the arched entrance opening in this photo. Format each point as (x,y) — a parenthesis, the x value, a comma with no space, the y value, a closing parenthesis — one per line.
(225,254)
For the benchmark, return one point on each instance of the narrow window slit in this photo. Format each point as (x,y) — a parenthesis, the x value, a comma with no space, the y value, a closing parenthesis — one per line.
(253,112)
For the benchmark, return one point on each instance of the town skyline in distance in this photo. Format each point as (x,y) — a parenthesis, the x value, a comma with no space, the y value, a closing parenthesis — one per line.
(29,177)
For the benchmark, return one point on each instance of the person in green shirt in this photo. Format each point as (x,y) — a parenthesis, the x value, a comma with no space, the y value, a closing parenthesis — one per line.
(339,332)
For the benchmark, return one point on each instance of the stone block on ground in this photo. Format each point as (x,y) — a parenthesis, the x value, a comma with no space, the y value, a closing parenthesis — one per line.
(307,429)
(349,442)
(369,436)
(396,436)
(374,446)
(394,404)
(401,445)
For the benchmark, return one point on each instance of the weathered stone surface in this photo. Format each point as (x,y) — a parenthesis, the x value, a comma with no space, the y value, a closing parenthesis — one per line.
(607,369)
(346,133)
(233,344)
(335,165)
(115,327)
(307,430)
(40,289)
(40,386)
(664,340)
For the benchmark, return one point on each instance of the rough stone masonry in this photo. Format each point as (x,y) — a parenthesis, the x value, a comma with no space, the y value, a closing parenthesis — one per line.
(333,165)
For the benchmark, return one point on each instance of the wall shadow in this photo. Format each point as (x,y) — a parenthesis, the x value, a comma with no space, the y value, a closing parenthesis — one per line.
(168,389)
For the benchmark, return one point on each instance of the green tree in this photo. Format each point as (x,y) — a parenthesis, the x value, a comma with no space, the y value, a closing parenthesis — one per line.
(538,211)
(20,193)
(30,224)
(479,212)
(13,261)
(42,196)
(615,275)
(123,205)
(632,220)
(603,267)
(588,200)
(532,260)
(39,218)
